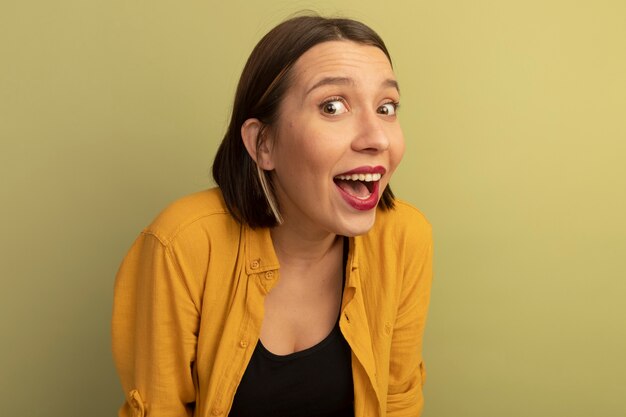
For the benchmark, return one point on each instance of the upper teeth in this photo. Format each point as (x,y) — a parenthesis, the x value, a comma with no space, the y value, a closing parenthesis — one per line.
(360,177)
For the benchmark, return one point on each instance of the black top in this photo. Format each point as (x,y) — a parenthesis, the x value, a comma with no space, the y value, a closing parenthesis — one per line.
(315,382)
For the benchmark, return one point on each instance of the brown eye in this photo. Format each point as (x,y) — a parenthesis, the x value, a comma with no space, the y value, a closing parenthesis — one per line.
(388,109)
(333,107)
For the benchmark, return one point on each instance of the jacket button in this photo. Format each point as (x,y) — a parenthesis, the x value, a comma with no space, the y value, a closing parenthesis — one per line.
(216,411)
(388,328)
(255,264)
(269,275)
(243,344)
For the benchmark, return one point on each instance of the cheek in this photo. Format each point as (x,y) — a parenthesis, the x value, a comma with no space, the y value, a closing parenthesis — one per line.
(305,147)
(397,149)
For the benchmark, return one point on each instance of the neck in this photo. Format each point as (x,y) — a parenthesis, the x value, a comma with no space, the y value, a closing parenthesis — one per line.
(295,247)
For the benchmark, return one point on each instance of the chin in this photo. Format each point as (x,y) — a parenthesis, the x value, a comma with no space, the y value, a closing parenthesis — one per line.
(358,226)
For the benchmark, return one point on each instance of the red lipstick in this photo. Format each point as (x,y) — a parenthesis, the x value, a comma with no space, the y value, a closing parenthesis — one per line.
(366,170)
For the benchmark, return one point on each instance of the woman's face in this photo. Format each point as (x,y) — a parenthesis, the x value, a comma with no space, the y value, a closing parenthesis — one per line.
(337,140)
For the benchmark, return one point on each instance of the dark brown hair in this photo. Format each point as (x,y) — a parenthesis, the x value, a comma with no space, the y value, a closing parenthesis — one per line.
(263,83)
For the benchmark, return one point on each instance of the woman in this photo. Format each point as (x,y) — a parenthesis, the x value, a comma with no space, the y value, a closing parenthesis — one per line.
(300,286)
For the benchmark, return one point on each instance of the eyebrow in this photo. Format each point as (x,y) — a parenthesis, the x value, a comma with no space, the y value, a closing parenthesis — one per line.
(349,81)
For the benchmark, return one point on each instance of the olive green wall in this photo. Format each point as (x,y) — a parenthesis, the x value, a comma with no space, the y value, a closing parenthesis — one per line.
(515,119)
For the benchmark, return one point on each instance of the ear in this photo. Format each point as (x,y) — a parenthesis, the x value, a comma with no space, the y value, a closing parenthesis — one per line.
(257,143)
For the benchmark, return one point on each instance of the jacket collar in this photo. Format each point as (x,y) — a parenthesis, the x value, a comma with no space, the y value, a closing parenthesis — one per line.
(259,250)
(354,315)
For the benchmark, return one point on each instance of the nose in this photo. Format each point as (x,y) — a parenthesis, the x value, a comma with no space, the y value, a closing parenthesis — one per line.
(372,134)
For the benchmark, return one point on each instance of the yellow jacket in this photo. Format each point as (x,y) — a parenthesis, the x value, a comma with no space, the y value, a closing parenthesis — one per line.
(188,308)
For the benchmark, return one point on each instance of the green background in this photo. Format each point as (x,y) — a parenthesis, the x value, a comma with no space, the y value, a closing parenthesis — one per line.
(515,118)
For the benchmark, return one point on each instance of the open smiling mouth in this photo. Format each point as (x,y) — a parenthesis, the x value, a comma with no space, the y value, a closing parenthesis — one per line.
(359,190)
(358,185)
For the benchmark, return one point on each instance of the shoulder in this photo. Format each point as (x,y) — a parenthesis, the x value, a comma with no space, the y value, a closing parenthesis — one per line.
(399,235)
(198,212)
(402,223)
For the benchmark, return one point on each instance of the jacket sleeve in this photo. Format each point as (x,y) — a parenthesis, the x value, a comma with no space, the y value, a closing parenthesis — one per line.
(406,368)
(154,332)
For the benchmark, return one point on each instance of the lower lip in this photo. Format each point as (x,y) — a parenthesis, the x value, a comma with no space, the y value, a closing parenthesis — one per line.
(363,205)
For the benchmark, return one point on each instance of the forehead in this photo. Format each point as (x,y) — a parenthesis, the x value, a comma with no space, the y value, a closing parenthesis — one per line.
(359,62)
